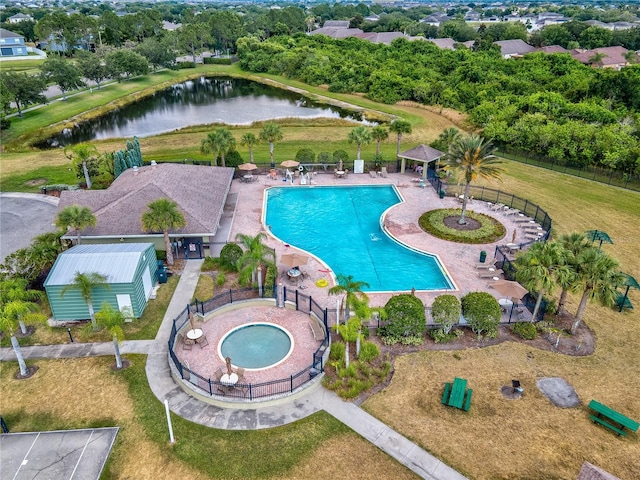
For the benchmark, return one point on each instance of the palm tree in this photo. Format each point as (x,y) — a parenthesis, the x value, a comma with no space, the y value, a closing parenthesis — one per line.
(573,246)
(537,268)
(473,157)
(113,320)
(598,277)
(354,298)
(255,256)
(249,139)
(271,133)
(161,216)
(12,313)
(85,283)
(379,134)
(81,154)
(400,127)
(220,142)
(75,217)
(14,290)
(360,136)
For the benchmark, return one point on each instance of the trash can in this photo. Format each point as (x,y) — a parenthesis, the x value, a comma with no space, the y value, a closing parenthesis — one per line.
(483,256)
(441,194)
(162,274)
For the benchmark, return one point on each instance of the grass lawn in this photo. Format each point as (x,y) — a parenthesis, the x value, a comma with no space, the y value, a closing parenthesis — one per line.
(531,438)
(93,395)
(31,66)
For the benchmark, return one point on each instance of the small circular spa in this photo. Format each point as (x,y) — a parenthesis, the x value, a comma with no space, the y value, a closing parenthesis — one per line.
(256,346)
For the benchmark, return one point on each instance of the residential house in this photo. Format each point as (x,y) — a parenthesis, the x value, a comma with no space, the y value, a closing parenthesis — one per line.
(336,24)
(19,17)
(443,43)
(337,32)
(381,37)
(553,49)
(11,44)
(606,57)
(514,48)
(199,191)
(130,271)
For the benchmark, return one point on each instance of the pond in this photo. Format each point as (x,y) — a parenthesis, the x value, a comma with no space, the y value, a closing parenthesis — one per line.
(197,102)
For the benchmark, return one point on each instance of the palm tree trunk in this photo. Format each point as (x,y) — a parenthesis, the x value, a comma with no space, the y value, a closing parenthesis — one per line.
(399,140)
(562,301)
(467,187)
(346,353)
(86,174)
(273,164)
(358,152)
(23,327)
(358,344)
(116,349)
(538,302)
(222,161)
(580,311)
(19,357)
(92,314)
(378,149)
(78,239)
(251,154)
(260,281)
(167,246)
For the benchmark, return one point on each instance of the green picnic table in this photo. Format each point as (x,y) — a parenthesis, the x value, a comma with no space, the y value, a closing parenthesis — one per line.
(611,419)
(454,395)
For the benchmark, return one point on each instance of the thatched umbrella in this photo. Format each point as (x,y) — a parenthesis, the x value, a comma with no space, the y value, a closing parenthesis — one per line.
(228,360)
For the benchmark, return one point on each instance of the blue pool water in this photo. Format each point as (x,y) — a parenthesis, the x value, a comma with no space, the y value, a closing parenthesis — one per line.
(256,346)
(341,225)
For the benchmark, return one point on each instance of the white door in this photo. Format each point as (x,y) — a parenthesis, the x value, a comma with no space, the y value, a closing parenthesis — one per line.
(146,282)
(124,304)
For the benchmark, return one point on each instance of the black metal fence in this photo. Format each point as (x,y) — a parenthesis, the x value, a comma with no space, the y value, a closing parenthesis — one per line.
(250,391)
(608,176)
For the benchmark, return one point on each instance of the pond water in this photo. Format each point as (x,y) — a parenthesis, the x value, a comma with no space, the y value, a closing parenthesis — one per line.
(197,102)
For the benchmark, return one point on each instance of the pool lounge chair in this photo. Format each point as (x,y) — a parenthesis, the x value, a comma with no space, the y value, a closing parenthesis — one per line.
(373,174)
(490,274)
(486,265)
(383,172)
(497,206)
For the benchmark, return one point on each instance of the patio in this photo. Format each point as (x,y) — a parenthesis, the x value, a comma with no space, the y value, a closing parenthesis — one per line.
(401,221)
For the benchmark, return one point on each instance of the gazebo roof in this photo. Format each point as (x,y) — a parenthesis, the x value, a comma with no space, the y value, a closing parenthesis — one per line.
(422,153)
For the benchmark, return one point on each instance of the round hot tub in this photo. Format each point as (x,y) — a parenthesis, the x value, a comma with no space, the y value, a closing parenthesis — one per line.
(256,346)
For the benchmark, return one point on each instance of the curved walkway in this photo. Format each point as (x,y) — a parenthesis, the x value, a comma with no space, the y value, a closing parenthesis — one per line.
(253,416)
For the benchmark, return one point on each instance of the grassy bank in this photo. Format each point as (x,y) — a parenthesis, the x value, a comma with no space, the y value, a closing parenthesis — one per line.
(92,395)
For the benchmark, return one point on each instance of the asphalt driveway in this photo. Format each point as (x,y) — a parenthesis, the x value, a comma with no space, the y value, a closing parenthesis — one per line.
(24,216)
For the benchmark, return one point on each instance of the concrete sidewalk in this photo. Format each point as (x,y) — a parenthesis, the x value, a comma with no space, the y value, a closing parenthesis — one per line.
(251,416)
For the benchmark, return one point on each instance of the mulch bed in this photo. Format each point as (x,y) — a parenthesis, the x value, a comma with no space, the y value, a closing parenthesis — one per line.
(470,223)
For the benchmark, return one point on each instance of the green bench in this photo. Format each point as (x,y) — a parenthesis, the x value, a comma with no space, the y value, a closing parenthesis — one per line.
(457,395)
(445,395)
(467,402)
(605,416)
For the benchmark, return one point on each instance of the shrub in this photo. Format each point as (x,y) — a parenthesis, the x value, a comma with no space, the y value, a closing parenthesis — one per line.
(161,254)
(526,330)
(439,336)
(270,280)
(229,256)
(337,352)
(305,155)
(221,279)
(232,159)
(210,263)
(412,340)
(406,317)
(340,155)
(446,312)
(324,157)
(181,65)
(368,351)
(482,311)
(216,61)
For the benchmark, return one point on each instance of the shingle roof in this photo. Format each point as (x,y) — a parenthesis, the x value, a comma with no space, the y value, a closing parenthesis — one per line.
(199,191)
(444,43)
(591,472)
(334,32)
(116,261)
(336,24)
(4,33)
(553,49)
(380,37)
(612,56)
(422,153)
(514,47)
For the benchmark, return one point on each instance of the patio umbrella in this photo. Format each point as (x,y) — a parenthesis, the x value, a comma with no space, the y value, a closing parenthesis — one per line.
(247,167)
(598,235)
(290,163)
(228,362)
(192,321)
(294,259)
(509,288)
(513,237)
(340,166)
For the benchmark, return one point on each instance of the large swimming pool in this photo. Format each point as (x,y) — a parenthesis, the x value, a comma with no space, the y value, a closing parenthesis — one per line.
(341,226)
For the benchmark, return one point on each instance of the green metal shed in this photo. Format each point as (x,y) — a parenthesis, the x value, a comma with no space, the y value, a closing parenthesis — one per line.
(130,269)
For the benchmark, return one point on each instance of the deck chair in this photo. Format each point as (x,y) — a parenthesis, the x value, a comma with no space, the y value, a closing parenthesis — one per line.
(383,171)
(218,374)
(373,174)
(486,265)
(489,274)
(240,373)
(187,343)
(202,341)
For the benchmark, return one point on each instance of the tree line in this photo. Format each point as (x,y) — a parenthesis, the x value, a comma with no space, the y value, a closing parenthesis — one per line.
(551,105)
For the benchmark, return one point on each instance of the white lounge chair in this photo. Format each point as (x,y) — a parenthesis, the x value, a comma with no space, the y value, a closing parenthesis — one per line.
(490,273)
(486,265)
(383,172)
(373,174)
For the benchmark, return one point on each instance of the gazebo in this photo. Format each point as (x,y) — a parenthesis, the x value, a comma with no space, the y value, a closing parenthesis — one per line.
(420,154)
